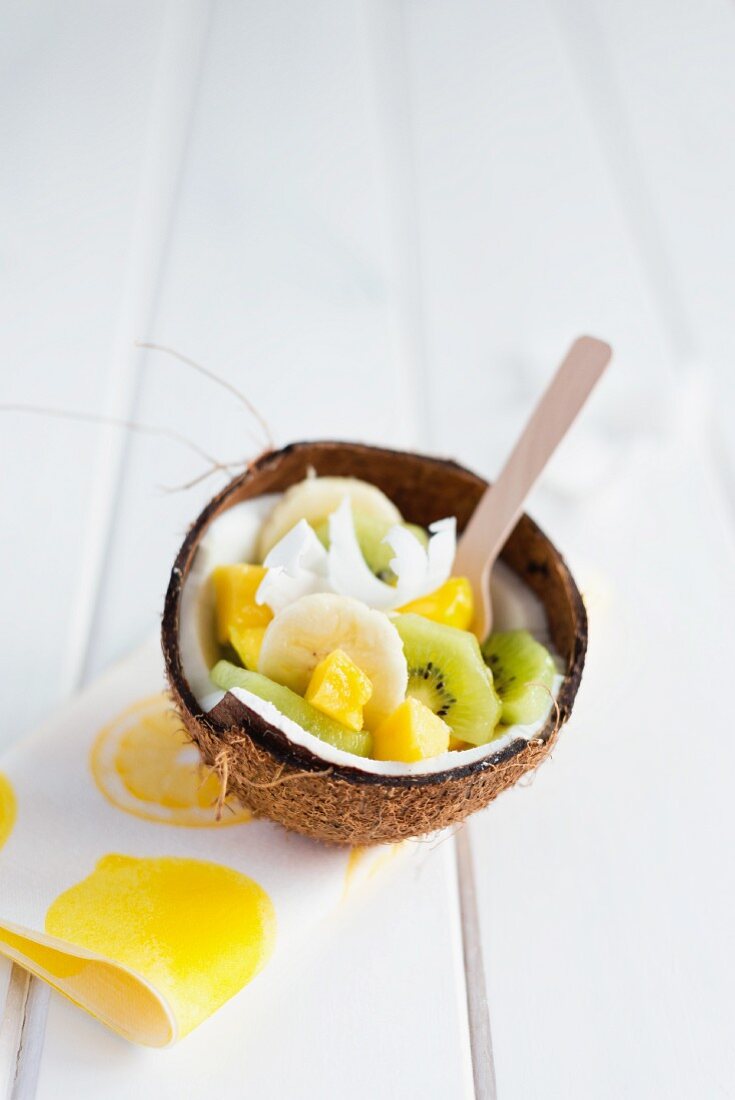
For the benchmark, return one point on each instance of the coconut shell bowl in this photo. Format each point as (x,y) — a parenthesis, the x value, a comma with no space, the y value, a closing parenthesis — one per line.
(341,804)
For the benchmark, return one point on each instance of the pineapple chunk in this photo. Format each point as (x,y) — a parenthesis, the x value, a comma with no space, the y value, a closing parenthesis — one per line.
(246,641)
(451,604)
(340,689)
(412,732)
(234,594)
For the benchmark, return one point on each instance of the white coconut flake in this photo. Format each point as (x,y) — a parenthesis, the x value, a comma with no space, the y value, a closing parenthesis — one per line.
(418,570)
(299,565)
(296,566)
(349,573)
(441,551)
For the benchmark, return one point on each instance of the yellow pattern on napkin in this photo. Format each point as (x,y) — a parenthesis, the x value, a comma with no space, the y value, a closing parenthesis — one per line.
(7,809)
(144,763)
(148,925)
(198,932)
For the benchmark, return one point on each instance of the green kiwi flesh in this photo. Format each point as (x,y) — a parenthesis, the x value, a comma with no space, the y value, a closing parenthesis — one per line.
(227,676)
(371,533)
(523,673)
(446,672)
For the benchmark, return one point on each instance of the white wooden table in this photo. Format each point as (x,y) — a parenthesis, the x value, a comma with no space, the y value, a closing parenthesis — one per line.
(385,219)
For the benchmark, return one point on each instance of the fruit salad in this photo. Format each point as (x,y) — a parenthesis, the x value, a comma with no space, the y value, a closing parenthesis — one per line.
(348,622)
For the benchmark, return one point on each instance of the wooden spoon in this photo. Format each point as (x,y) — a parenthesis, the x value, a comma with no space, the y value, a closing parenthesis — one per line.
(502,503)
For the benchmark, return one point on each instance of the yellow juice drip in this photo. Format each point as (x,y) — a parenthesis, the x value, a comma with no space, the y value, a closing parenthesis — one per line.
(375,858)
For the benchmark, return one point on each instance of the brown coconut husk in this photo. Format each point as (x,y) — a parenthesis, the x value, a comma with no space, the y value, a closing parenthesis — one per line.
(346,805)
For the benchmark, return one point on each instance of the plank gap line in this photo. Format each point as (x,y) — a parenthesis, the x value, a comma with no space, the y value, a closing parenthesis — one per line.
(478,1013)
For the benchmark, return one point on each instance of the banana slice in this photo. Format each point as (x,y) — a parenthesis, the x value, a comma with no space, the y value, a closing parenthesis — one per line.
(306,631)
(317,497)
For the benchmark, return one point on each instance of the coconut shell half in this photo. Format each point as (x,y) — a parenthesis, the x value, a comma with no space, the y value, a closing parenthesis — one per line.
(347,805)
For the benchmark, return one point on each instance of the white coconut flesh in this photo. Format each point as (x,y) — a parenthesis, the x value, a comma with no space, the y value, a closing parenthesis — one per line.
(232,537)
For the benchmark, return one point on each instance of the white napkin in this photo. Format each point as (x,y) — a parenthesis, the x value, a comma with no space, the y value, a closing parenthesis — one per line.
(118,886)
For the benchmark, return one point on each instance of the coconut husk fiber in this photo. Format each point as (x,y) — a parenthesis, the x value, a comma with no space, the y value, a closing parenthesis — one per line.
(346,805)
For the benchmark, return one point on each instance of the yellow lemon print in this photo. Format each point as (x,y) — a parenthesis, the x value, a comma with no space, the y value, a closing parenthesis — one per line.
(7,809)
(144,763)
(196,931)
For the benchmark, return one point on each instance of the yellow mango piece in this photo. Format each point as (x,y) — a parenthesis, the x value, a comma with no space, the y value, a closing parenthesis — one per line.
(340,689)
(234,596)
(457,745)
(412,732)
(246,641)
(451,604)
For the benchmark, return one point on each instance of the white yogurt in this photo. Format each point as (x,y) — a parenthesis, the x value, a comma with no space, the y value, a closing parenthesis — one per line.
(232,538)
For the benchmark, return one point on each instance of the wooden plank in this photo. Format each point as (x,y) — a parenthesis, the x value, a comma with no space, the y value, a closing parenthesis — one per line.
(15,989)
(69,202)
(606,901)
(130,296)
(31,1012)
(5,968)
(523,241)
(478,1015)
(660,82)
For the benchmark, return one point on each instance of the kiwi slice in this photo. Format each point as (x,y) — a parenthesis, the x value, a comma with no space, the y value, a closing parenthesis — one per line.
(371,532)
(447,673)
(226,676)
(523,672)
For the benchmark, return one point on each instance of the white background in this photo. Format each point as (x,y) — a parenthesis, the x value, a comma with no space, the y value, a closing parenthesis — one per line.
(385,220)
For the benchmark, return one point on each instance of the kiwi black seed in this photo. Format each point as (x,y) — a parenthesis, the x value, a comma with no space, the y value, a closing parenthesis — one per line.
(523,673)
(427,683)
(446,673)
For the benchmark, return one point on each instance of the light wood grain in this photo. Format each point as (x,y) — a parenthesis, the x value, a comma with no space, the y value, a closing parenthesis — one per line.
(662,94)
(14,1000)
(483,1063)
(65,236)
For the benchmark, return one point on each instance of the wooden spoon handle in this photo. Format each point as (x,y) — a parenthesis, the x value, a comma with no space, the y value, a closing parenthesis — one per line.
(502,503)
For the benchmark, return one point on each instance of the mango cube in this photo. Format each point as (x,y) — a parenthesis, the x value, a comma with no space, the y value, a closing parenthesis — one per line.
(451,604)
(340,689)
(412,732)
(246,641)
(234,596)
